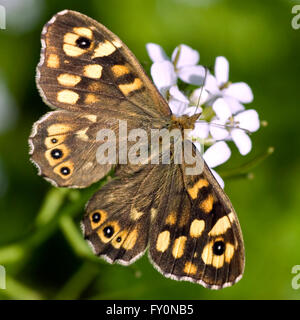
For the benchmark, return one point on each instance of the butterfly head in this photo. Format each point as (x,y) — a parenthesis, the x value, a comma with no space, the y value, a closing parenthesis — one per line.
(184,122)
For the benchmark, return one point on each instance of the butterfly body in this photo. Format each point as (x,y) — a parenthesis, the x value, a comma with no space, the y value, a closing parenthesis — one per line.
(186,221)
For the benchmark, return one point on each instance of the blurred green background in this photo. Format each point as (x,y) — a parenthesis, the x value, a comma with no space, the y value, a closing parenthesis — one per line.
(40,242)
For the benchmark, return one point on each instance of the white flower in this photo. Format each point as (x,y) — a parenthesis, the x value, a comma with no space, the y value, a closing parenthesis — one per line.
(182,65)
(165,73)
(180,104)
(235,128)
(214,156)
(227,97)
(200,131)
(164,76)
(199,96)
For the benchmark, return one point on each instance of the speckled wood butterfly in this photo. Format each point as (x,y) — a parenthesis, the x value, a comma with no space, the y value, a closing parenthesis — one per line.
(94,81)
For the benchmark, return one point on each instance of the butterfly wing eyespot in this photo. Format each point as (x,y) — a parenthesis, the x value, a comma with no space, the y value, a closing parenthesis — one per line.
(83,43)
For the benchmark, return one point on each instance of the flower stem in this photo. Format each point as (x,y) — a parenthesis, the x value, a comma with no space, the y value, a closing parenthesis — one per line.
(53,201)
(79,281)
(18,291)
(75,239)
(18,251)
(207,114)
(47,220)
(243,171)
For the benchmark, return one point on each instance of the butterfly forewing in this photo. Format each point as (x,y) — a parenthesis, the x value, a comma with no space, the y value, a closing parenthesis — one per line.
(84,65)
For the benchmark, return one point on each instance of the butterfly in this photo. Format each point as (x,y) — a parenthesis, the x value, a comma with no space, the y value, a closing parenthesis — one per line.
(186,222)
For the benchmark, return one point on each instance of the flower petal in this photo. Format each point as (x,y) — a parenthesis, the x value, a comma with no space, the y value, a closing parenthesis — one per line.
(242,141)
(198,146)
(234,105)
(218,130)
(211,85)
(218,178)
(221,109)
(221,70)
(156,52)
(185,57)
(177,107)
(191,110)
(217,154)
(177,94)
(248,120)
(192,74)
(241,91)
(199,96)
(200,131)
(163,74)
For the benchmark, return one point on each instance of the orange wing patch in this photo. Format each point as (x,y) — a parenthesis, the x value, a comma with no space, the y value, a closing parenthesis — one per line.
(207,204)
(193,191)
(130,87)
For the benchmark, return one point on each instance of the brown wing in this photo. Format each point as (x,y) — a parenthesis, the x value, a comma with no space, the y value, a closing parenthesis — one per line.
(87,71)
(118,217)
(192,229)
(85,66)
(196,235)
(64,145)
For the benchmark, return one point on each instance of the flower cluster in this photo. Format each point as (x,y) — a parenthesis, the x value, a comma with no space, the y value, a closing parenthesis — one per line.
(223,115)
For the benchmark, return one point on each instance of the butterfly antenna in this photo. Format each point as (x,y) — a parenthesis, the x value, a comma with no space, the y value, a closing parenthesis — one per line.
(199,98)
(224,126)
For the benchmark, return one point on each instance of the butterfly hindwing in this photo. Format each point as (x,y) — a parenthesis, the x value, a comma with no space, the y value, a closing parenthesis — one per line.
(196,235)
(118,217)
(64,146)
